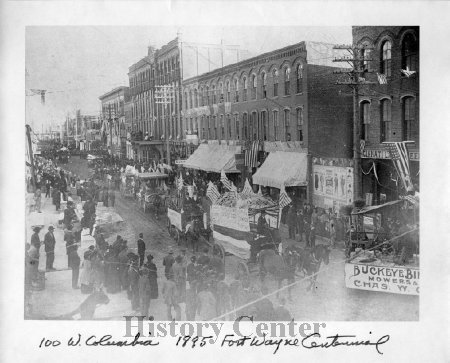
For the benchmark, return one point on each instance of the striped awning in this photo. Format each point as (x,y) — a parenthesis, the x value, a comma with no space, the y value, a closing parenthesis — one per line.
(283,169)
(214,158)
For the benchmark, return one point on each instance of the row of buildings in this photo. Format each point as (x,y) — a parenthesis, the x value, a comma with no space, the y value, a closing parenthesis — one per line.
(290,101)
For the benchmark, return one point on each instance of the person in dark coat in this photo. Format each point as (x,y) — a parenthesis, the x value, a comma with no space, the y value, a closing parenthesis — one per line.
(292,221)
(56,196)
(69,238)
(144,291)
(300,224)
(141,249)
(312,236)
(168,262)
(133,287)
(191,271)
(74,264)
(49,243)
(153,277)
(47,188)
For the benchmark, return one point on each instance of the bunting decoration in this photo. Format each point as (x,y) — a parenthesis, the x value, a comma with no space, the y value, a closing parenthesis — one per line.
(226,183)
(399,156)
(382,78)
(212,193)
(251,155)
(247,190)
(180,183)
(284,199)
(407,72)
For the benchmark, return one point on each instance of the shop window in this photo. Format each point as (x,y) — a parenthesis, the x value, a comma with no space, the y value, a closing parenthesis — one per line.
(410,53)
(299,115)
(186,100)
(408,114)
(386,58)
(385,120)
(364,114)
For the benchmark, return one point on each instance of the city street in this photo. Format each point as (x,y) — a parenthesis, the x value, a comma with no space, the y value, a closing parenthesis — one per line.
(332,300)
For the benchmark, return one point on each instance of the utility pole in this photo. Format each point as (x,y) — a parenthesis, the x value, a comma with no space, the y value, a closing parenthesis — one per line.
(355,81)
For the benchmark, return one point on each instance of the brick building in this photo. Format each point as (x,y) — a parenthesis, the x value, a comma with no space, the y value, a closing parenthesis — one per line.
(388,111)
(288,100)
(114,131)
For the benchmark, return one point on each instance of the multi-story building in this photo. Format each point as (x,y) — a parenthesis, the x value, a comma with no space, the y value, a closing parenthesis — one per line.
(288,100)
(113,116)
(388,109)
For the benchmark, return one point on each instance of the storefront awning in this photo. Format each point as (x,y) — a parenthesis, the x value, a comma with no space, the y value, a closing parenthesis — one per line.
(214,158)
(281,168)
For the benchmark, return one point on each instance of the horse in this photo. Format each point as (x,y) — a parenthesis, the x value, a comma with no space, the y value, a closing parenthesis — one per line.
(282,267)
(310,261)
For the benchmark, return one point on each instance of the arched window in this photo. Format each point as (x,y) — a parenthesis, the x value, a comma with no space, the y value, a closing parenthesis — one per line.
(236,90)
(275,82)
(386,58)
(365,54)
(408,116)
(195,98)
(245,126)
(409,53)
(263,85)
(254,125)
(208,120)
(186,100)
(364,114)
(216,136)
(228,97)
(287,125)
(244,91)
(201,99)
(254,83)
(265,125)
(385,120)
(213,91)
(299,117)
(222,128)
(276,126)
(300,78)
(229,136)
(237,127)
(207,96)
(287,81)
(221,92)
(190,99)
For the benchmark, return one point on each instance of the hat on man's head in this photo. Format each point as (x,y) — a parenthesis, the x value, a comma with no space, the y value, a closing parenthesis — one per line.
(36,229)
(170,252)
(149,257)
(51,228)
(141,235)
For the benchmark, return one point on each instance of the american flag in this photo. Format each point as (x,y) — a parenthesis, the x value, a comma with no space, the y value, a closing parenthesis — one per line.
(226,183)
(284,199)
(212,193)
(382,78)
(180,183)
(251,154)
(247,190)
(399,156)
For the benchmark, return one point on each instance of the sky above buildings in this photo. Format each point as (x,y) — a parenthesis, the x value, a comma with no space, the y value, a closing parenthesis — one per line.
(77,64)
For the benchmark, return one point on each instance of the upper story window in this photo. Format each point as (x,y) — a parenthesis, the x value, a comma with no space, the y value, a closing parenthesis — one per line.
(186,100)
(221,92)
(264,85)
(213,91)
(201,99)
(207,96)
(244,91)
(276,126)
(386,59)
(287,81)
(365,56)
(229,127)
(190,99)
(245,126)
(275,82)
(237,126)
(300,78)
(385,120)
(236,90)
(222,128)
(228,99)
(254,84)
(410,53)
(299,117)
(265,126)
(408,116)
(195,98)
(287,124)
(365,119)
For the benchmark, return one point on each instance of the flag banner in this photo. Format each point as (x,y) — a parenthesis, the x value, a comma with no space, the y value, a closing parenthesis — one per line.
(251,155)
(284,199)
(180,183)
(212,193)
(407,72)
(399,156)
(226,183)
(247,190)
(382,78)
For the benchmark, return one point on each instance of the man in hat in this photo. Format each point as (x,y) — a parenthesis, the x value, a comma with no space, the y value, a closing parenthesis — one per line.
(170,295)
(141,249)
(33,254)
(168,262)
(74,264)
(152,276)
(49,243)
(144,291)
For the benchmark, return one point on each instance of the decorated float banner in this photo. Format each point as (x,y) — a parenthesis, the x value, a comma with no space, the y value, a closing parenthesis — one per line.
(397,280)
(231,228)
(332,186)
(174,218)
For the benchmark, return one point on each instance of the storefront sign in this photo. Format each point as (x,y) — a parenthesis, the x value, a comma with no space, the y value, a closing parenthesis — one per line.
(180,161)
(381,153)
(230,217)
(333,186)
(174,218)
(397,280)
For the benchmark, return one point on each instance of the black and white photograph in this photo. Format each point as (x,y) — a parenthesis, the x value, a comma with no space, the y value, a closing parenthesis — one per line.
(260,176)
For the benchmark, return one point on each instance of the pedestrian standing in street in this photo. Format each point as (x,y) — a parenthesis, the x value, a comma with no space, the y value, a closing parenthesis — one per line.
(191,271)
(191,301)
(206,304)
(47,188)
(204,259)
(292,221)
(179,274)
(133,278)
(168,262)
(141,249)
(300,224)
(86,277)
(69,238)
(144,291)
(307,232)
(153,277)
(312,237)
(333,232)
(37,200)
(74,264)
(49,243)
(112,197)
(123,266)
(33,254)
(56,195)
(170,295)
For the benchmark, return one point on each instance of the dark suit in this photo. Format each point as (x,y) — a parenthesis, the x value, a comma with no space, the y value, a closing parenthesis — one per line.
(49,242)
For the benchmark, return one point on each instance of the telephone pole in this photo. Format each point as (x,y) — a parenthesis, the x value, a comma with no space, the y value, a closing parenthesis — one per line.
(355,80)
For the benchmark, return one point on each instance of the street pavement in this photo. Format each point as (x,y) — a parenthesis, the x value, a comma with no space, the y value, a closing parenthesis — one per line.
(331,300)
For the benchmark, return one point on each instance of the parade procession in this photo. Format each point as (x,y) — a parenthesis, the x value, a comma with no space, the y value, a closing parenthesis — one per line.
(221,182)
